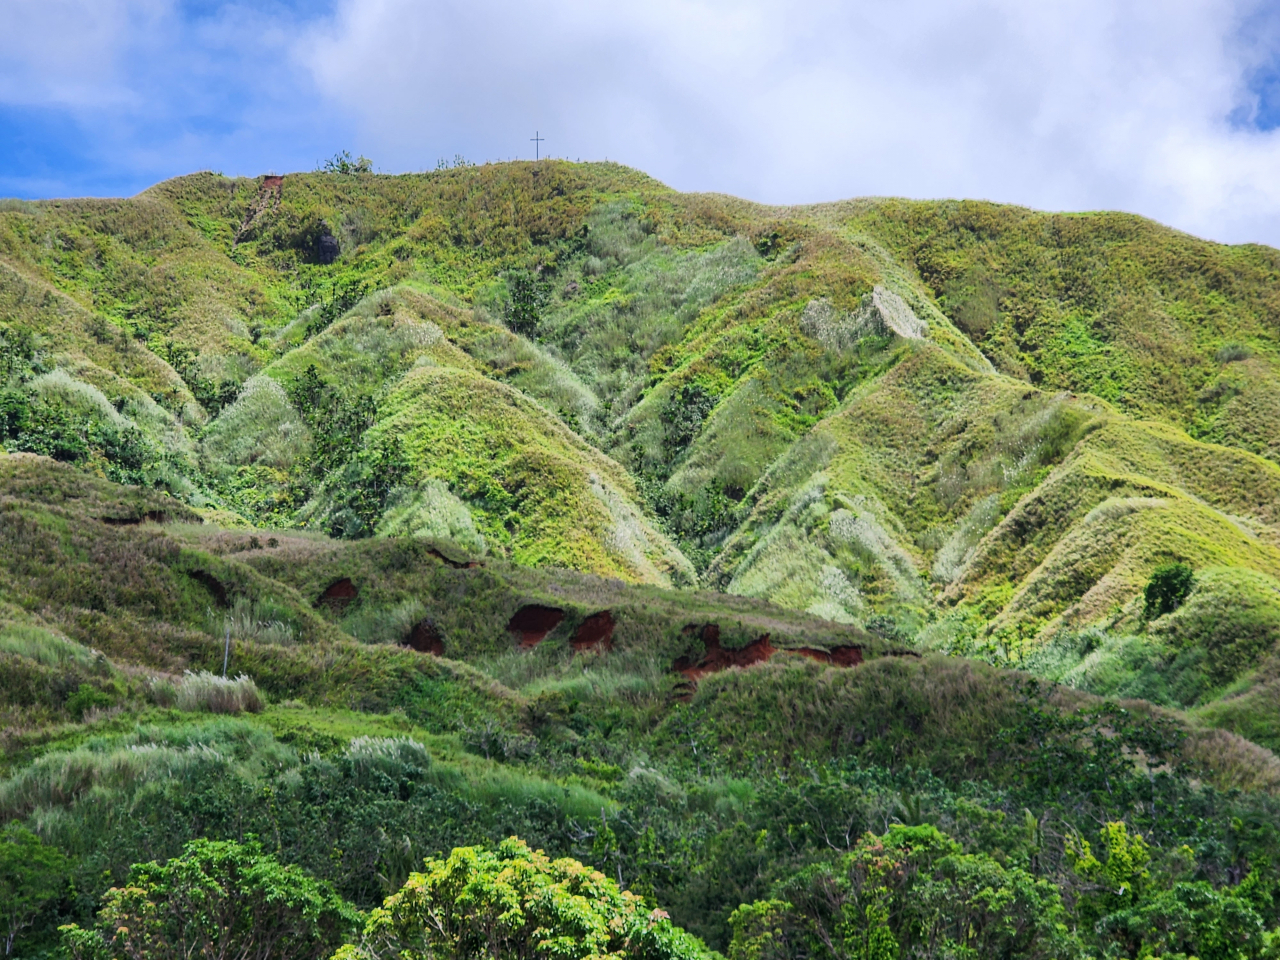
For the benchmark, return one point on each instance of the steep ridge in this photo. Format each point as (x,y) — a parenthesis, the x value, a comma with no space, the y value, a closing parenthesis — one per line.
(751,556)
(974,427)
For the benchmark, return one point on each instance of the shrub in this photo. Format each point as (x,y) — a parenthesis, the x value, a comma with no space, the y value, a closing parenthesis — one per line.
(219,899)
(911,892)
(1232,353)
(517,903)
(1169,585)
(208,691)
(87,698)
(31,874)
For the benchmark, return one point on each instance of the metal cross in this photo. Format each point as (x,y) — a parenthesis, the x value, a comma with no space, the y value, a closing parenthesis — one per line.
(536,141)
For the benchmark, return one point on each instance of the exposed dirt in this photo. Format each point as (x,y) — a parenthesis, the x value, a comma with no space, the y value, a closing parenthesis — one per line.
(338,596)
(425,638)
(269,193)
(717,658)
(531,623)
(837,656)
(595,632)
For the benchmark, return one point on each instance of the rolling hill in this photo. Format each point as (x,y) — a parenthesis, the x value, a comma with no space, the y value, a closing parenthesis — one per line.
(517,461)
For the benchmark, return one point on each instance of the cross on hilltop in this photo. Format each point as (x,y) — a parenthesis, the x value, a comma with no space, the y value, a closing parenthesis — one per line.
(537,141)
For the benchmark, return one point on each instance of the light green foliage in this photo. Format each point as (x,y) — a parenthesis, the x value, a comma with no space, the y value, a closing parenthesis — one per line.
(969,429)
(256,622)
(521,471)
(1122,875)
(431,512)
(31,874)
(218,898)
(46,648)
(261,427)
(1233,614)
(210,692)
(515,902)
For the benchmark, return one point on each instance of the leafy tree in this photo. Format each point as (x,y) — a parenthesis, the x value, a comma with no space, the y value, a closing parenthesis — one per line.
(343,163)
(526,297)
(31,874)
(1170,584)
(910,892)
(220,900)
(516,903)
(766,930)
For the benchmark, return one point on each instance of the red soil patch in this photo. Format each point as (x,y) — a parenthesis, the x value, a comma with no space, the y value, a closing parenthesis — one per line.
(272,183)
(596,632)
(338,595)
(717,657)
(533,622)
(425,638)
(837,656)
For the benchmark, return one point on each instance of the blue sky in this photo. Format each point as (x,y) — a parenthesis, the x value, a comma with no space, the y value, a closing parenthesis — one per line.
(1170,109)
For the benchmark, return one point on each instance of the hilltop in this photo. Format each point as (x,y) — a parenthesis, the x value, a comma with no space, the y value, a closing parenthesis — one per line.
(515,462)
(918,416)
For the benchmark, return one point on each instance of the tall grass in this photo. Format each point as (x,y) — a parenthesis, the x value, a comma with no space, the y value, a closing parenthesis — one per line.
(256,621)
(385,624)
(209,692)
(635,676)
(45,648)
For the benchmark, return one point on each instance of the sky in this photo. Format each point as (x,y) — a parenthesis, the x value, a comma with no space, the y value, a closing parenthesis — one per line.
(1165,108)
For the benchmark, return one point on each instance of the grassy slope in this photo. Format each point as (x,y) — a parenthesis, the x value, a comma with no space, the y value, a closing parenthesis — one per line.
(952,489)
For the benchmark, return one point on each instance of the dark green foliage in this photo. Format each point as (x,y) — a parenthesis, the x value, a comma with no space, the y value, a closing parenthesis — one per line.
(216,899)
(1169,585)
(363,485)
(909,893)
(341,295)
(19,356)
(683,415)
(86,698)
(31,875)
(526,298)
(338,421)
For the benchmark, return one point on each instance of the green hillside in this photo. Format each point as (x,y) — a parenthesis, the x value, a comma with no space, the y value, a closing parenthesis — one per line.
(486,479)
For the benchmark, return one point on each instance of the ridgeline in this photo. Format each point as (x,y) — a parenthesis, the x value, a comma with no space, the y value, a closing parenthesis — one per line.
(869,579)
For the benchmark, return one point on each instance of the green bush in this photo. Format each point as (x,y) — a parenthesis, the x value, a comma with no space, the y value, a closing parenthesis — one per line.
(218,899)
(31,874)
(1169,585)
(516,902)
(909,893)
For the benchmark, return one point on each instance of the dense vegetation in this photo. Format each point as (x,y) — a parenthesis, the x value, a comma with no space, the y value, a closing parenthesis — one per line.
(529,560)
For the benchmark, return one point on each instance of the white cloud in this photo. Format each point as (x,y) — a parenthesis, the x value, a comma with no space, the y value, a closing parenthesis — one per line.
(1061,105)
(69,52)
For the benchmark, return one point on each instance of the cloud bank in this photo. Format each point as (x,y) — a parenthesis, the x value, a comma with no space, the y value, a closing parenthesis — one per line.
(1168,110)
